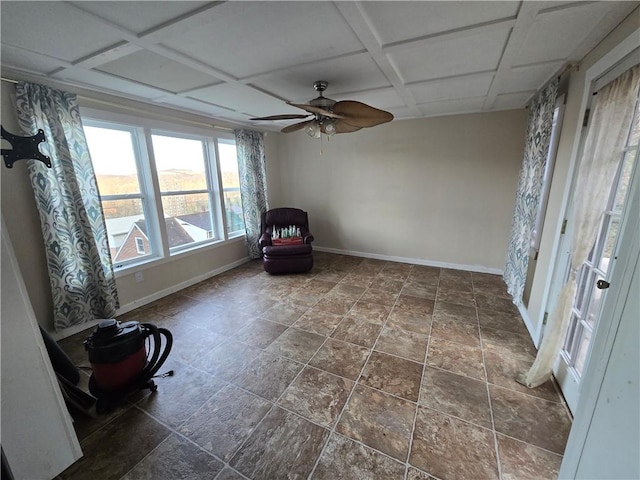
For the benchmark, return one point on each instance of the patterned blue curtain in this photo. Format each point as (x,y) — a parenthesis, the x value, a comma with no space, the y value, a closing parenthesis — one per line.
(536,148)
(253,184)
(80,271)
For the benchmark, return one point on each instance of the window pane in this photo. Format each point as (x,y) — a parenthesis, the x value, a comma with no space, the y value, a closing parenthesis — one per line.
(625,179)
(581,354)
(231,187)
(114,160)
(634,136)
(583,280)
(595,303)
(126,230)
(568,342)
(180,163)
(187,218)
(612,235)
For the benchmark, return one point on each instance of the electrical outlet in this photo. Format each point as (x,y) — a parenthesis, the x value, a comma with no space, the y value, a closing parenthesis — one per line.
(139,277)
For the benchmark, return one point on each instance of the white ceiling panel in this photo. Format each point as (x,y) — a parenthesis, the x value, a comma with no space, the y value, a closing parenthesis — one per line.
(345,74)
(556,35)
(139,17)
(511,101)
(451,88)
(193,105)
(387,98)
(243,99)
(399,21)
(446,107)
(530,77)
(457,56)
(255,37)
(157,71)
(32,62)
(44,27)
(109,83)
(238,59)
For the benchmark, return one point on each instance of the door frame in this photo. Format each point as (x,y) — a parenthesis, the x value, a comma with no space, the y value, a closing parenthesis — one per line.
(604,335)
(559,258)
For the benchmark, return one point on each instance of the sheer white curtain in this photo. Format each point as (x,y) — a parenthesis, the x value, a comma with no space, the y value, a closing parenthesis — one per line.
(610,124)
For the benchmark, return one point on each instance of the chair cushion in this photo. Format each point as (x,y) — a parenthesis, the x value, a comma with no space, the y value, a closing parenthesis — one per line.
(286,250)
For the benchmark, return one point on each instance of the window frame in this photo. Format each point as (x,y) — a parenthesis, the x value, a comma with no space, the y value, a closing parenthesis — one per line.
(147,173)
(212,180)
(234,233)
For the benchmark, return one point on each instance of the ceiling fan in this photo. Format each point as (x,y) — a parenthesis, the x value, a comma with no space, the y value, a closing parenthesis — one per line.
(331,117)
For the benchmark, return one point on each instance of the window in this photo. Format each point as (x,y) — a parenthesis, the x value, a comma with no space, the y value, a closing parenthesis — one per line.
(162,187)
(231,188)
(115,155)
(181,165)
(140,245)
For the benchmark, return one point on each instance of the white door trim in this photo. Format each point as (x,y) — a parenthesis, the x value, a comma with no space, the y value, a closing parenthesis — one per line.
(605,334)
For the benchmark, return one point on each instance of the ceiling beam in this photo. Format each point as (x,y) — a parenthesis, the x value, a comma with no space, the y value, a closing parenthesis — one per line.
(457,33)
(150,41)
(524,21)
(361,25)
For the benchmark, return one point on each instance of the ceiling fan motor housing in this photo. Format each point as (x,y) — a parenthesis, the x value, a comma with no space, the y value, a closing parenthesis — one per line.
(322,101)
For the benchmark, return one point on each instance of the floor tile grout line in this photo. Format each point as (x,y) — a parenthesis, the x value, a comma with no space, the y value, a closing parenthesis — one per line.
(172,430)
(511,437)
(486,377)
(277,405)
(424,371)
(353,388)
(332,430)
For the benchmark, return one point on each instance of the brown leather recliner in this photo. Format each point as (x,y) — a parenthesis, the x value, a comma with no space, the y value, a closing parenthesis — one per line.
(286,258)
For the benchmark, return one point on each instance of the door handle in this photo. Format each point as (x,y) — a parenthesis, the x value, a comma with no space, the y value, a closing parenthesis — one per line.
(602,284)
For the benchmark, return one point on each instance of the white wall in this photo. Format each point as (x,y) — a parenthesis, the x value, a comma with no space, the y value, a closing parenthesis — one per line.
(435,191)
(23,226)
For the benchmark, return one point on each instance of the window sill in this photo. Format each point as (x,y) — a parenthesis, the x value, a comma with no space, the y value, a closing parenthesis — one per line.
(155,261)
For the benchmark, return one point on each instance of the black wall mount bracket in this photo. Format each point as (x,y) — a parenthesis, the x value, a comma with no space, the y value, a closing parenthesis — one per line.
(23,147)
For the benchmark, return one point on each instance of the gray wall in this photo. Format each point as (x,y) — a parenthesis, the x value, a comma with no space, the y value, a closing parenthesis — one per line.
(437,190)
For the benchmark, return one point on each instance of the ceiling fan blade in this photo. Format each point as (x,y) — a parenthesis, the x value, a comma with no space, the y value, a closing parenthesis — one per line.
(296,126)
(360,114)
(318,110)
(281,117)
(342,127)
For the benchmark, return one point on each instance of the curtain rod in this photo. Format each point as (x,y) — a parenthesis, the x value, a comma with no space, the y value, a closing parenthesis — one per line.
(201,124)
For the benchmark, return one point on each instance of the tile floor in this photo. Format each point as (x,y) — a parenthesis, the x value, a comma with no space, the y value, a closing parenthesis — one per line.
(360,369)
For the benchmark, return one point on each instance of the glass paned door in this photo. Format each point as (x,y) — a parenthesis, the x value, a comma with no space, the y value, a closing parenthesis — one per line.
(589,295)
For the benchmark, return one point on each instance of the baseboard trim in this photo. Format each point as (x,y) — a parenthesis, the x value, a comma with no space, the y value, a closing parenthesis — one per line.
(67,332)
(416,261)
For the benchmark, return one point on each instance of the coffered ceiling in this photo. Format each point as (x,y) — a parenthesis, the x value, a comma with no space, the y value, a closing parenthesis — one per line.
(236,60)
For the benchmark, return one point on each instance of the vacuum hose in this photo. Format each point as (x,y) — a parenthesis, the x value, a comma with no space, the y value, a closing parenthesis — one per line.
(157,359)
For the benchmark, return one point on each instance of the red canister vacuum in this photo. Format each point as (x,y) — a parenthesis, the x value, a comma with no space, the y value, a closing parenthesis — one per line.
(120,360)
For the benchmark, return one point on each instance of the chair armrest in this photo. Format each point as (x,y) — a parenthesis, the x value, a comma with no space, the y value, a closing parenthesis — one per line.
(308,238)
(265,240)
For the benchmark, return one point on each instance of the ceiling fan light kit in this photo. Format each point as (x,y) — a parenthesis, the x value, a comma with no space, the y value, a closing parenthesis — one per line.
(331,117)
